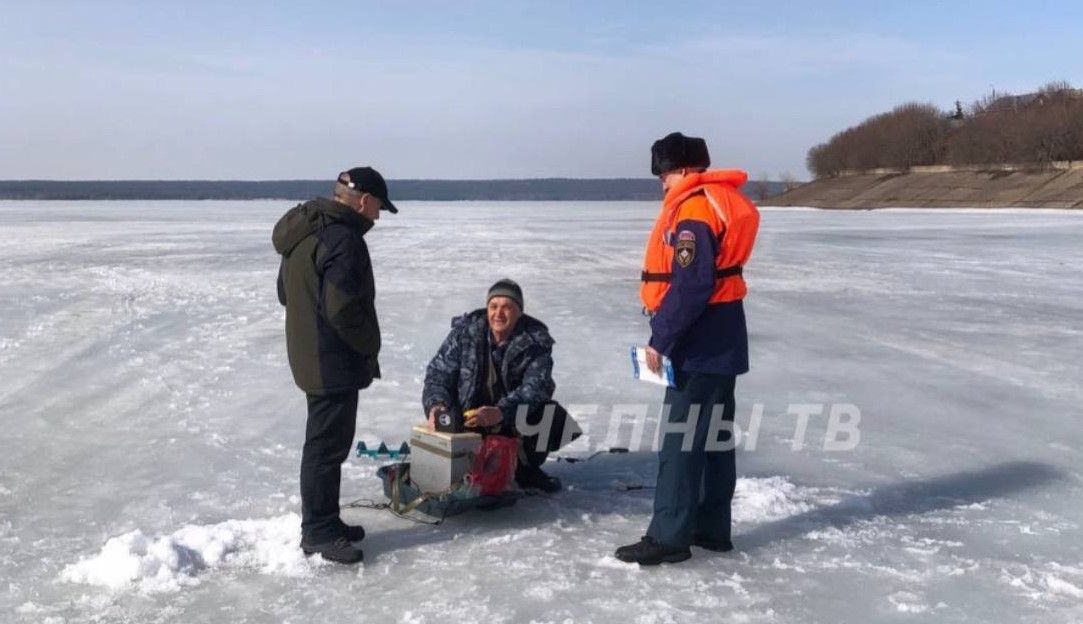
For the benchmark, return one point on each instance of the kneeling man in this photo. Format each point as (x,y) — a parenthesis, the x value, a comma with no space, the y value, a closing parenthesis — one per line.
(495,360)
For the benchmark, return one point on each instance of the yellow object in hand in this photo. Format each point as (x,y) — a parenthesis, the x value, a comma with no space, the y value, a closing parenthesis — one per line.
(468,417)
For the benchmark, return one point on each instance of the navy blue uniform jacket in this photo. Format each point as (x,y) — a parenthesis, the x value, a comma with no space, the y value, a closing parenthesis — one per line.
(700,337)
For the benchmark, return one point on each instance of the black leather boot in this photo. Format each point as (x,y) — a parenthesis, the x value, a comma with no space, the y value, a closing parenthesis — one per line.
(649,552)
(339,550)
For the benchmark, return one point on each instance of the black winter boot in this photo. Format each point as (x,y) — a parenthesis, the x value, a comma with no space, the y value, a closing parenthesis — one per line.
(649,552)
(340,550)
(353,532)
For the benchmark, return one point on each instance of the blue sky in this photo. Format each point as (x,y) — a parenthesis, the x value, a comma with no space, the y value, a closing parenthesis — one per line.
(266,90)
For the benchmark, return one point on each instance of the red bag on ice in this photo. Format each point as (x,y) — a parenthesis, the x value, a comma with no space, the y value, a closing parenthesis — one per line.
(494,465)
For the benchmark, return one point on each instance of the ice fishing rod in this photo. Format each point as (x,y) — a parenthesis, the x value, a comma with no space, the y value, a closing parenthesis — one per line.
(616,450)
(404,451)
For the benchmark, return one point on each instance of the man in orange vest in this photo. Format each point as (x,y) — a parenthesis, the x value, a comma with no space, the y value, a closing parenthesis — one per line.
(692,286)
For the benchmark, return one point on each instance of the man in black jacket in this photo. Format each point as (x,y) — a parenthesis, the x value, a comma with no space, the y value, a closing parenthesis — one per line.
(332,339)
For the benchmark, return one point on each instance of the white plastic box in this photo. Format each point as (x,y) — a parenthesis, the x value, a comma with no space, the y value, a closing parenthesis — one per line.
(438,460)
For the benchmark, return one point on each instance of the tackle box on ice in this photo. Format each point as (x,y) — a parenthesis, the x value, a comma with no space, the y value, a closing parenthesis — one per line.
(440,478)
(440,460)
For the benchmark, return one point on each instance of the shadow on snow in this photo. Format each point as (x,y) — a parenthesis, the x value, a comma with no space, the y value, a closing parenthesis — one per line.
(591,491)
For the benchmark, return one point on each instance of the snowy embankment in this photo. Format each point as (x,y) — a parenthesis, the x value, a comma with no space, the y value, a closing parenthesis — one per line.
(152,433)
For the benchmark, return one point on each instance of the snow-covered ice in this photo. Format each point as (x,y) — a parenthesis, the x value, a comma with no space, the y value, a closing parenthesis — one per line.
(175,561)
(151,432)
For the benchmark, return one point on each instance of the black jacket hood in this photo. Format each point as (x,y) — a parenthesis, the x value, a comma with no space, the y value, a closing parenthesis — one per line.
(305,219)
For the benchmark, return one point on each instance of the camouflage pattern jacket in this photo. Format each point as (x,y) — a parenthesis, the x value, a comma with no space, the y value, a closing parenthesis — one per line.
(457,374)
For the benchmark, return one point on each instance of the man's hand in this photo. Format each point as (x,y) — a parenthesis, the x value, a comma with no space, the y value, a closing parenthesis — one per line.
(654,360)
(483,417)
(436,409)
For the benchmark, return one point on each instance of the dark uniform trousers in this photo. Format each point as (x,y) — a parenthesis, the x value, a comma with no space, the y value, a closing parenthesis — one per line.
(328,438)
(695,487)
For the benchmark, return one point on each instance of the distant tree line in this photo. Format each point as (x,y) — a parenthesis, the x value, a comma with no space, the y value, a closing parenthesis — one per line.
(541,189)
(1033,129)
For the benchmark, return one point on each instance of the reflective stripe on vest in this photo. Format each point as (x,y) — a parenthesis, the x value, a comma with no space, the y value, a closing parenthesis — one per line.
(668,277)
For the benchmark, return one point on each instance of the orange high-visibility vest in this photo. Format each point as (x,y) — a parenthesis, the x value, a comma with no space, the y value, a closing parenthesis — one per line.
(711,197)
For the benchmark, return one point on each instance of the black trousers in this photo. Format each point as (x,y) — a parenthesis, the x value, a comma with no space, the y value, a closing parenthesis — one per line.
(533,454)
(328,438)
(695,486)
(528,453)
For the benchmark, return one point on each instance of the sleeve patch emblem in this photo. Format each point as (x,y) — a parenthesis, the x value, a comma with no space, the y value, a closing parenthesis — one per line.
(686,235)
(685,252)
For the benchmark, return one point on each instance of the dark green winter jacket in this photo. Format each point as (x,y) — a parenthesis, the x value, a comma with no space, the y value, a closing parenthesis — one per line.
(325,281)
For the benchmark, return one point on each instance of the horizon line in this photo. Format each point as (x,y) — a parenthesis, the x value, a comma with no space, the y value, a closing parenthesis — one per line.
(331,180)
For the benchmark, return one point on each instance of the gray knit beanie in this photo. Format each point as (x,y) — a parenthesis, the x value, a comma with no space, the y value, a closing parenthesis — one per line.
(506,288)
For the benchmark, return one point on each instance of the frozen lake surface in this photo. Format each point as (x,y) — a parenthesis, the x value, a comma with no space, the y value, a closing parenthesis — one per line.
(151,431)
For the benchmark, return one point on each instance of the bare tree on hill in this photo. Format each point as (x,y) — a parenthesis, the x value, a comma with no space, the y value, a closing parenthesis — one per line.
(789,182)
(1037,128)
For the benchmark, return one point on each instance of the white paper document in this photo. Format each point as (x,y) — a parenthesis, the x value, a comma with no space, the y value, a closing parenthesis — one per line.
(642,373)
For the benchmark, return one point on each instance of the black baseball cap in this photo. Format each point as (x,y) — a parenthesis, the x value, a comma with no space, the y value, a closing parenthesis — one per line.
(368,180)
